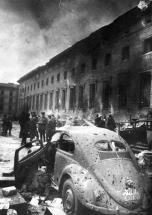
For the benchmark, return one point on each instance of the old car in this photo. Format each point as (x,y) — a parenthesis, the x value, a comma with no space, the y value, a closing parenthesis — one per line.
(95,168)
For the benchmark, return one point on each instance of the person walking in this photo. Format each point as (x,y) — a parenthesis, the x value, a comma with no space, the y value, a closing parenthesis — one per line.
(50,127)
(9,124)
(4,125)
(42,126)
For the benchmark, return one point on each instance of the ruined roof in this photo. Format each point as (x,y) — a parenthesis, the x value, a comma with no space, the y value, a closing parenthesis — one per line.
(90,43)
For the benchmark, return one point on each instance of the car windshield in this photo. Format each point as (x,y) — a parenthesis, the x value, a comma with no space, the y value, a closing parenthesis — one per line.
(105,145)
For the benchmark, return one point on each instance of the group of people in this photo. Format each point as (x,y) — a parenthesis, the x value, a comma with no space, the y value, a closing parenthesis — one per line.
(33,126)
(105,122)
(6,125)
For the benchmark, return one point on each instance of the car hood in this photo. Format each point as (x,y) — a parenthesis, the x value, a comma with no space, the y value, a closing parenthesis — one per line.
(121,180)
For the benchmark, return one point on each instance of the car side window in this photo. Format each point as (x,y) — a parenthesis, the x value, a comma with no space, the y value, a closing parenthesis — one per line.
(66,143)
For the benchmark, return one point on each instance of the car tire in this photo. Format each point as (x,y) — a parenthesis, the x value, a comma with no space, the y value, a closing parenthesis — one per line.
(71,203)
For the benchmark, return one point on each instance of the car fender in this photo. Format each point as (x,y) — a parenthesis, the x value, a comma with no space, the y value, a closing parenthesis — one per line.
(85,185)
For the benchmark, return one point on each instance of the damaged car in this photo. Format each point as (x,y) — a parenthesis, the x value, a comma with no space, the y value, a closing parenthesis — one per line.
(95,168)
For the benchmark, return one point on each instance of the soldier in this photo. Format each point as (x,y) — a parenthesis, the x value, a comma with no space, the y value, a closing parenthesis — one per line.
(33,126)
(24,122)
(4,125)
(42,126)
(111,125)
(50,127)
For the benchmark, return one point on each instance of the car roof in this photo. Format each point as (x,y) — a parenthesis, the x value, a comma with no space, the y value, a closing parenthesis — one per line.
(91,134)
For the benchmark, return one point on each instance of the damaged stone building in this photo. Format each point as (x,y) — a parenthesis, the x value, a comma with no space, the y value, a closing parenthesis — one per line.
(108,72)
(8,98)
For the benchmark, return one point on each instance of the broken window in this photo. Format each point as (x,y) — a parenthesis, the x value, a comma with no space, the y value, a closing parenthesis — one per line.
(94,63)
(122,92)
(145,86)
(37,102)
(66,143)
(83,67)
(51,100)
(42,83)
(47,81)
(52,79)
(58,77)
(57,99)
(64,95)
(107,59)
(34,85)
(148,18)
(38,84)
(41,101)
(33,104)
(148,45)
(125,53)
(46,101)
(81,96)
(65,75)
(72,97)
(123,86)
(106,95)
(73,73)
(92,95)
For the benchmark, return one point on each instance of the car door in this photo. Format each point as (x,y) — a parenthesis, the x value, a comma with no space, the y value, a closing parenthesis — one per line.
(65,155)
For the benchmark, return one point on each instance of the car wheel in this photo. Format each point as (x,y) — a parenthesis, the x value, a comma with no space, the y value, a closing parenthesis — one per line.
(71,203)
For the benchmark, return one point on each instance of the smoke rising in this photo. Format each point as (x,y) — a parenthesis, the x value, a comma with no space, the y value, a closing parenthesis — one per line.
(33,31)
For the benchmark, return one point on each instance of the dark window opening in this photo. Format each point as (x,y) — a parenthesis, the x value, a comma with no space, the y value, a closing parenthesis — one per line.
(81,96)
(42,83)
(31,87)
(145,85)
(72,97)
(58,77)
(148,45)
(57,99)
(65,75)
(64,95)
(92,95)
(66,144)
(38,85)
(33,104)
(83,67)
(41,101)
(106,95)
(34,85)
(51,100)
(148,18)
(107,59)
(122,92)
(125,53)
(47,81)
(52,79)
(46,101)
(37,102)
(73,72)
(28,88)
(94,63)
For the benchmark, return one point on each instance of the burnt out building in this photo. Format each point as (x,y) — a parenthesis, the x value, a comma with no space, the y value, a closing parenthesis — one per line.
(109,71)
(8,98)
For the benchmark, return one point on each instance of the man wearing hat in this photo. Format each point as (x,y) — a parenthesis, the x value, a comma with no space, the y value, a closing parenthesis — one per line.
(42,126)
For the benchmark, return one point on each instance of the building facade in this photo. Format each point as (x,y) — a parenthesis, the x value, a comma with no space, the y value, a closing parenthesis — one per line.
(110,71)
(8,99)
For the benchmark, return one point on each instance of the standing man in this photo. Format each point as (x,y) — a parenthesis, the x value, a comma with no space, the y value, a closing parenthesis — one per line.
(111,125)
(33,126)
(42,126)
(51,126)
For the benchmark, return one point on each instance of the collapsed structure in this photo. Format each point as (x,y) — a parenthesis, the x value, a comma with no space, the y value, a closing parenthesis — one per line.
(108,72)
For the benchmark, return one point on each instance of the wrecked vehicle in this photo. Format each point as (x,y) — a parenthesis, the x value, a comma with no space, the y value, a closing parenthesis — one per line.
(95,167)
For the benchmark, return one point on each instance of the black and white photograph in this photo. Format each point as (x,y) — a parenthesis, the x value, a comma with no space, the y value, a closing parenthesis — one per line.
(75,107)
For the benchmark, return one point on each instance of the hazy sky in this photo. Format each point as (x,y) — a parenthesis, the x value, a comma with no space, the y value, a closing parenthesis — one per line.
(33,31)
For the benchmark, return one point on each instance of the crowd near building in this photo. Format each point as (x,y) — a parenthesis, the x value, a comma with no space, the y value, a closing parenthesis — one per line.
(110,71)
(8,99)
